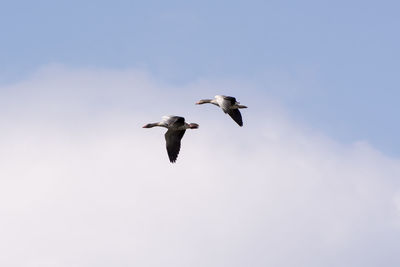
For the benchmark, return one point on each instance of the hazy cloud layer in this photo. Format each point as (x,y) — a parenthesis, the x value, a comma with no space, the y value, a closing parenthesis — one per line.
(82,184)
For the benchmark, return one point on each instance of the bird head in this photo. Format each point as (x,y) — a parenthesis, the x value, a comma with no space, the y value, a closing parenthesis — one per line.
(149,125)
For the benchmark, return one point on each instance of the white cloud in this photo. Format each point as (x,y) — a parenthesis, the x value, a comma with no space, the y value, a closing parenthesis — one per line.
(82,184)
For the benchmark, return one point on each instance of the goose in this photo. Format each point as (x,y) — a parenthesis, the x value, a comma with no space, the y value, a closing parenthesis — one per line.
(228,104)
(176,129)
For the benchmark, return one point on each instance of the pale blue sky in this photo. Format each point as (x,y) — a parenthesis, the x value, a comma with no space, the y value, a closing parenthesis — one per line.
(341,57)
(82,184)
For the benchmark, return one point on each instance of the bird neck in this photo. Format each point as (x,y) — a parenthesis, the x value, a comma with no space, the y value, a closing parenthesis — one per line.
(155,124)
(205,101)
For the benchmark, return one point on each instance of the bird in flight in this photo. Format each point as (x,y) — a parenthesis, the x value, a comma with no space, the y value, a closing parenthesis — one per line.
(176,129)
(228,104)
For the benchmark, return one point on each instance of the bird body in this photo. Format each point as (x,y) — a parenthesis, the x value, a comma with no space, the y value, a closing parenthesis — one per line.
(176,129)
(228,104)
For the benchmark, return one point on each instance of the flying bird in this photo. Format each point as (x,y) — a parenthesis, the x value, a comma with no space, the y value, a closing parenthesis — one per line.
(228,104)
(176,129)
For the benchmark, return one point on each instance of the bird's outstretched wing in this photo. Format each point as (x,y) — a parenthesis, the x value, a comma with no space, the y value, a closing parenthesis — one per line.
(173,139)
(236,116)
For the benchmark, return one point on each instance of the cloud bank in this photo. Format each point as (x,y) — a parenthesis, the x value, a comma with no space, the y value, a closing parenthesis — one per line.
(82,184)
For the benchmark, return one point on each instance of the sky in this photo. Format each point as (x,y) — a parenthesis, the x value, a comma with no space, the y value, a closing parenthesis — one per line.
(333,63)
(310,180)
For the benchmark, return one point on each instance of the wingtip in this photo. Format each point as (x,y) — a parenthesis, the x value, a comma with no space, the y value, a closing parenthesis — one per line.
(172,159)
(239,123)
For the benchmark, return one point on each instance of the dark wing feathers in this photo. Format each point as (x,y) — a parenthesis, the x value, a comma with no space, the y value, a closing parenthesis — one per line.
(236,116)
(231,99)
(173,140)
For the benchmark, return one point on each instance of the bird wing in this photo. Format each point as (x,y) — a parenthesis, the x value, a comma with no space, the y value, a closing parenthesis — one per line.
(176,121)
(236,116)
(173,139)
